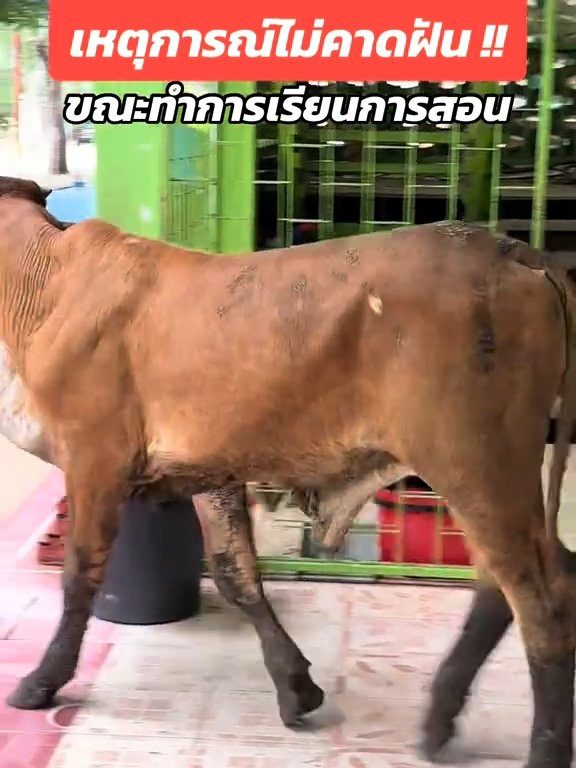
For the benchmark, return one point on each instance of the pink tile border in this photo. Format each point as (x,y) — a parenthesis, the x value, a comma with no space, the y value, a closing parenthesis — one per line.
(30,605)
(29,739)
(385,643)
(25,525)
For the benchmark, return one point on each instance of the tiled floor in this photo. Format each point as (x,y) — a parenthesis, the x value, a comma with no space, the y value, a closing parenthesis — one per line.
(196,695)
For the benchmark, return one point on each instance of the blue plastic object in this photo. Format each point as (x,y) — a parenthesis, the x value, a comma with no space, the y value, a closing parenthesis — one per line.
(73,204)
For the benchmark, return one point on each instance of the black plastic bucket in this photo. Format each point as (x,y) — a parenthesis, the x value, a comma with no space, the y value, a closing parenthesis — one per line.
(154,571)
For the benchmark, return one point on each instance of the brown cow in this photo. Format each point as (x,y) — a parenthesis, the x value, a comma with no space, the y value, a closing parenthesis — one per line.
(333,367)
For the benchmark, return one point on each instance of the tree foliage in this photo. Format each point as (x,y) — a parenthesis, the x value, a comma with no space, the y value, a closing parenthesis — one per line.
(32,15)
(22,14)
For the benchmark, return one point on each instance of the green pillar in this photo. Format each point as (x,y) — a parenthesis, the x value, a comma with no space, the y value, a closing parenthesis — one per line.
(477,166)
(236,180)
(131,178)
(192,185)
(544,126)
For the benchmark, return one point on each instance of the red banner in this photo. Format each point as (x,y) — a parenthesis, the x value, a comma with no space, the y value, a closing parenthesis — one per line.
(124,40)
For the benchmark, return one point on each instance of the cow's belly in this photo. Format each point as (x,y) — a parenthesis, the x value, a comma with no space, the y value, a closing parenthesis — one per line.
(16,423)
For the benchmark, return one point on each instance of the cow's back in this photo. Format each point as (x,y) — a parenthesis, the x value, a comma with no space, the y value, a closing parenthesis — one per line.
(319,349)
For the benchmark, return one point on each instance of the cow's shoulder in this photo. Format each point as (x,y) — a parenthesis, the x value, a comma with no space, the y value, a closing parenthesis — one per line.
(95,231)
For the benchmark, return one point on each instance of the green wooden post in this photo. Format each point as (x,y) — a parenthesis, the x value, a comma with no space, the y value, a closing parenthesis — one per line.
(236,177)
(544,126)
(477,167)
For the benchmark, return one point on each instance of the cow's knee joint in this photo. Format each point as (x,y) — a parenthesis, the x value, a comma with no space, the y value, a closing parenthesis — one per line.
(235,586)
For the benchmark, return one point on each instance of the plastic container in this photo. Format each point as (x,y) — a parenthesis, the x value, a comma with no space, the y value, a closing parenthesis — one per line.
(154,571)
(417,528)
(73,204)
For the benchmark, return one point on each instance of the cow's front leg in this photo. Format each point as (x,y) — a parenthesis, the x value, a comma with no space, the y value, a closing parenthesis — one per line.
(94,508)
(233,563)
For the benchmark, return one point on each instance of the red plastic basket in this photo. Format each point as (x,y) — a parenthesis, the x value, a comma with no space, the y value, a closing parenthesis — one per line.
(50,549)
(416,527)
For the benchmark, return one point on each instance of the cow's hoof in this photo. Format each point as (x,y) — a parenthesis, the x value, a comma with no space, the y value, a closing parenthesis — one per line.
(302,697)
(30,694)
(554,756)
(435,737)
(560,763)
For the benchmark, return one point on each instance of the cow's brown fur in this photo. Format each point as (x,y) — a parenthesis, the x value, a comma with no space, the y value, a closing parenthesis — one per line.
(322,367)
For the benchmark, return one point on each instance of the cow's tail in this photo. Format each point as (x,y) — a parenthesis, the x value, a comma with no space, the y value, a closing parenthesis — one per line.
(567,412)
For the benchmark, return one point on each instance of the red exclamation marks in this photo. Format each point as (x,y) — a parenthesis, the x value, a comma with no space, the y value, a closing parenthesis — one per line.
(494,39)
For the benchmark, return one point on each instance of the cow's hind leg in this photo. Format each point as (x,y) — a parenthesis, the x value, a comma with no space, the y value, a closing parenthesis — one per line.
(486,624)
(526,566)
(234,568)
(487,621)
(94,512)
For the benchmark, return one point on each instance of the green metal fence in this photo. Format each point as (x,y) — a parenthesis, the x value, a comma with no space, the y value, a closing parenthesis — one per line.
(518,178)
(357,179)
(234,188)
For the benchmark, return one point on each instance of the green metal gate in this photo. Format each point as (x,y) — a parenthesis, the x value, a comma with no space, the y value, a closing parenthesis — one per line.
(343,180)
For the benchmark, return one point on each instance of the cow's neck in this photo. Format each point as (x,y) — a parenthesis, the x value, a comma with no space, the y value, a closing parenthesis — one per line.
(17,424)
(24,299)
(27,263)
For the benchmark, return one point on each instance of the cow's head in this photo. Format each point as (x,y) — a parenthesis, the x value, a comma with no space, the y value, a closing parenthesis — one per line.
(29,190)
